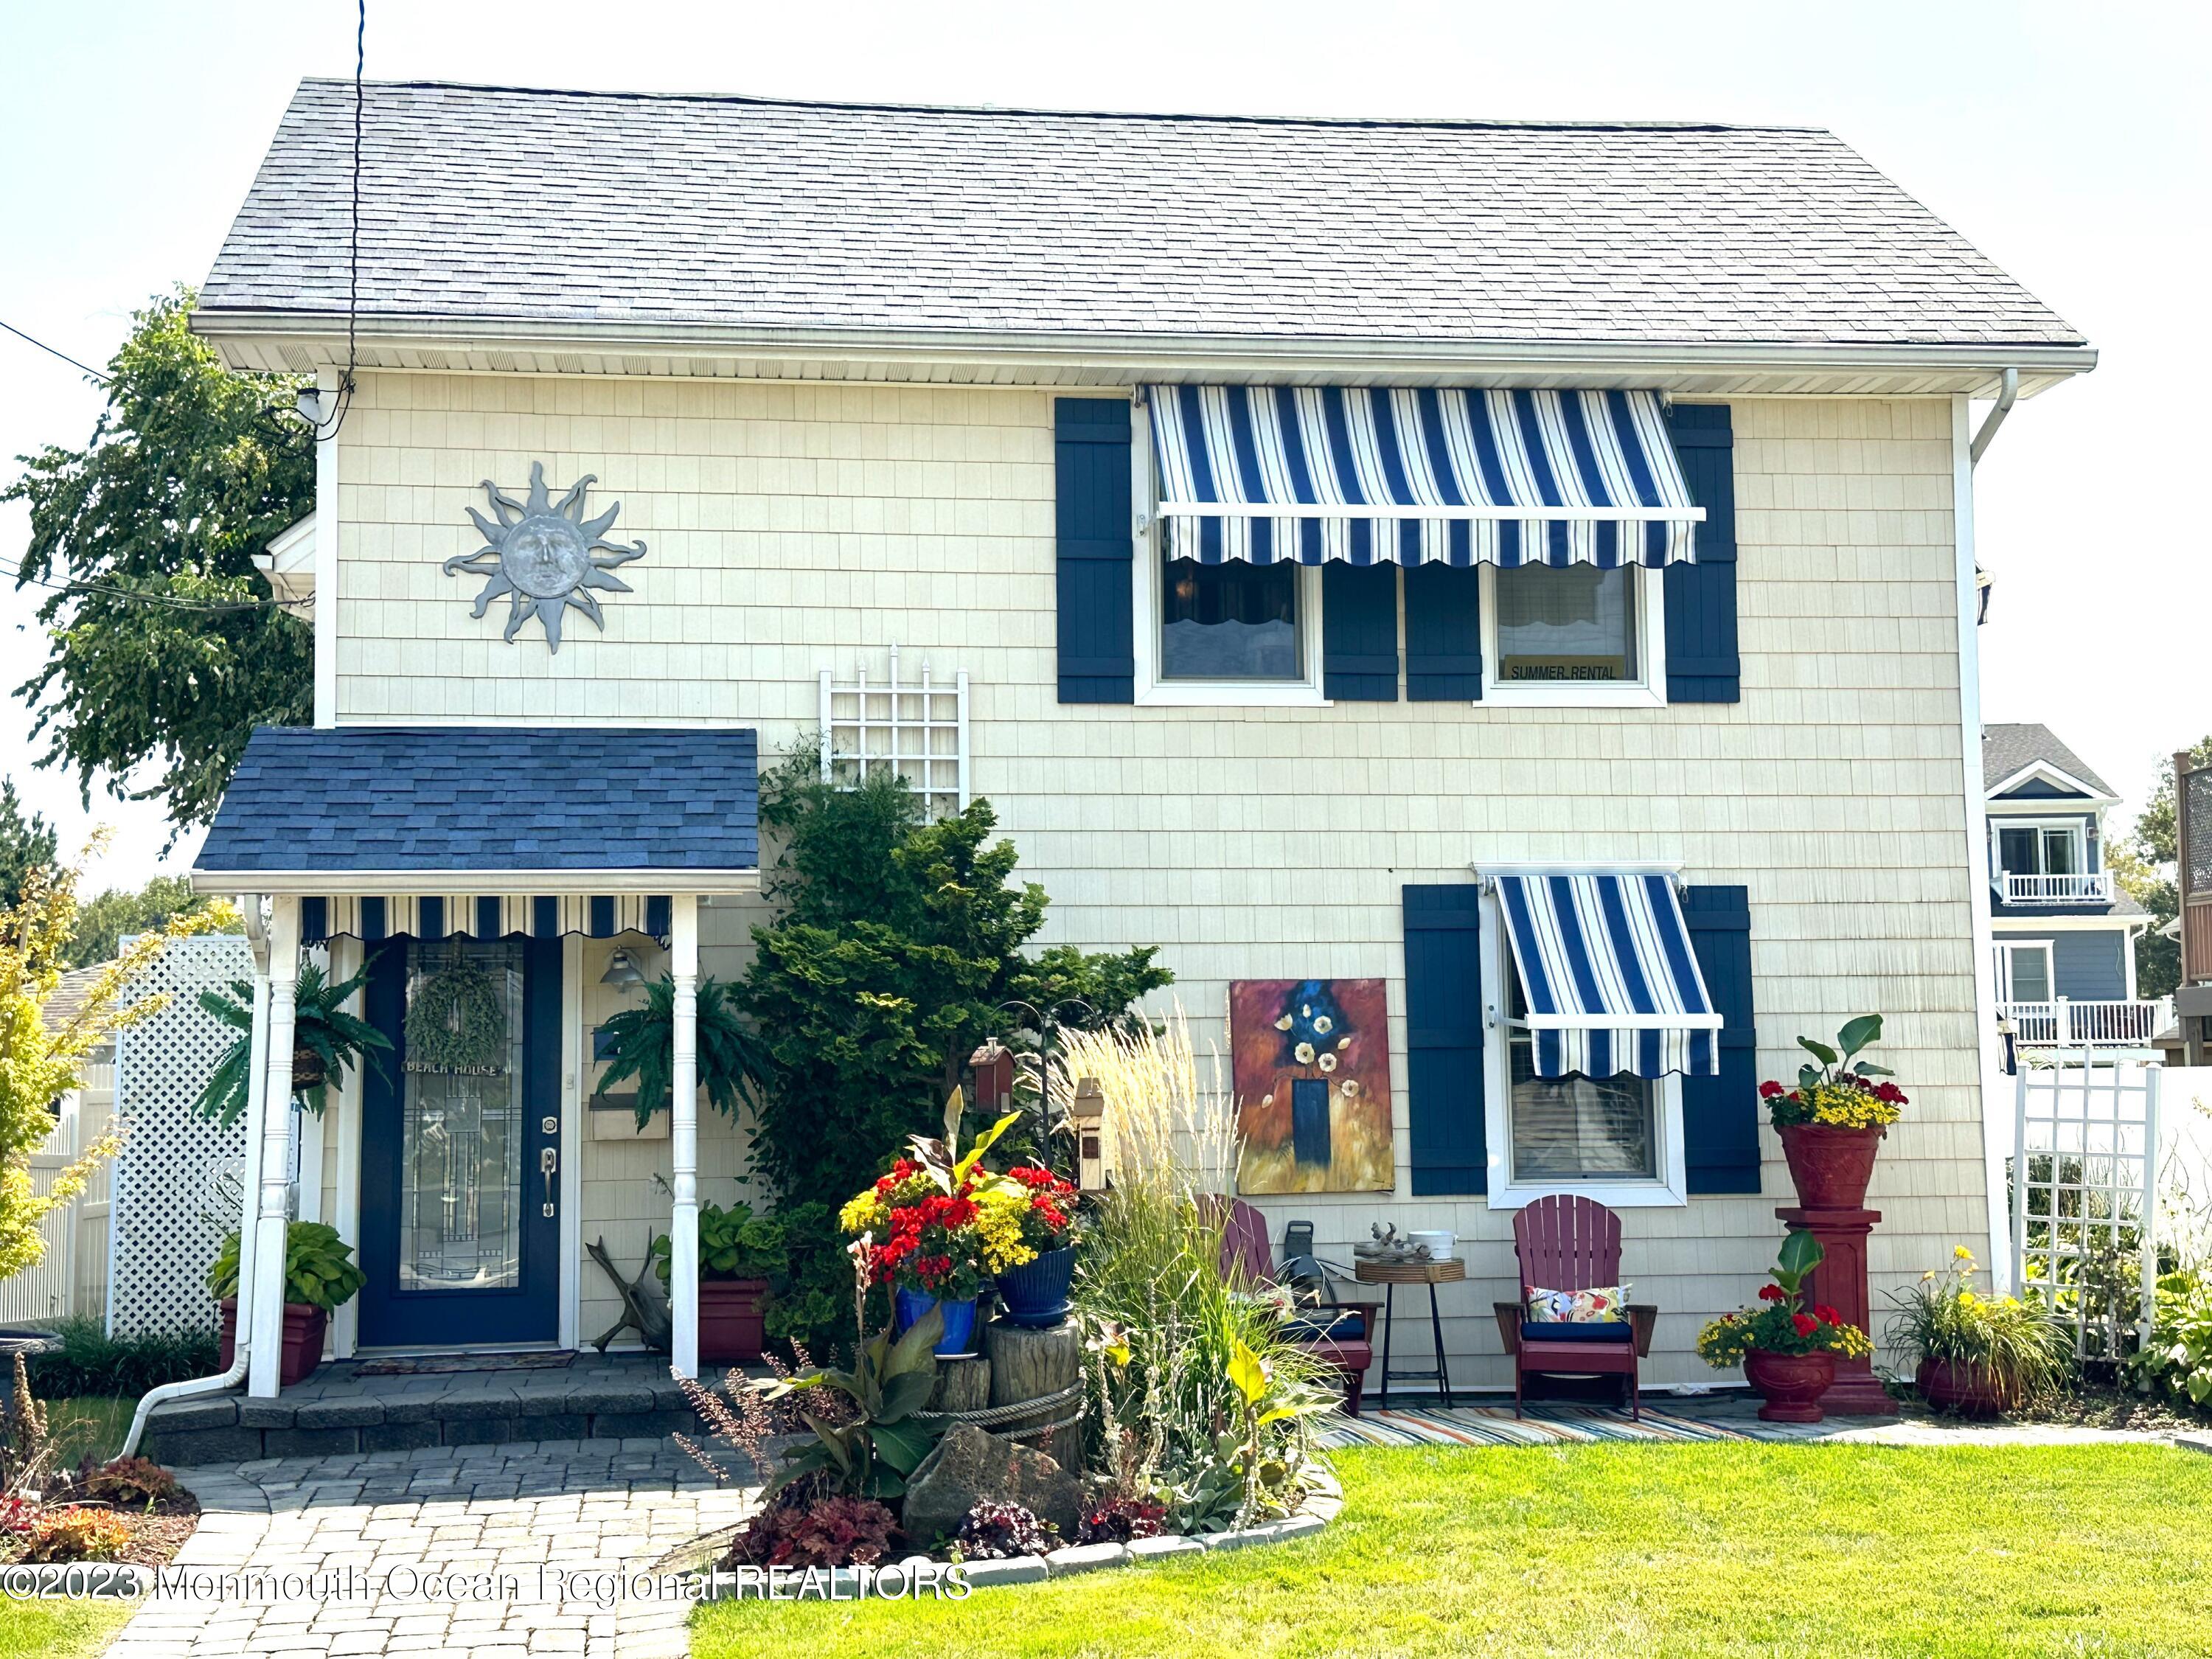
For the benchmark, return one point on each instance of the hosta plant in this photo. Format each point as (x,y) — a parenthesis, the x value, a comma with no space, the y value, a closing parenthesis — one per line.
(2177,1361)
(733,1243)
(318,1266)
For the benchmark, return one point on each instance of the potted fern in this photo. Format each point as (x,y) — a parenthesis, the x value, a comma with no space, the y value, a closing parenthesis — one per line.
(319,1274)
(739,1253)
(642,1045)
(326,1041)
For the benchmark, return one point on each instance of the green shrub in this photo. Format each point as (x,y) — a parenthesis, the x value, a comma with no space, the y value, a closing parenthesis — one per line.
(90,1361)
(2177,1362)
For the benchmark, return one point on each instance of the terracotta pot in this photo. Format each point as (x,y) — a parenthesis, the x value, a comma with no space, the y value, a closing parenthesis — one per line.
(1831,1167)
(1790,1383)
(1962,1386)
(304,1330)
(730,1325)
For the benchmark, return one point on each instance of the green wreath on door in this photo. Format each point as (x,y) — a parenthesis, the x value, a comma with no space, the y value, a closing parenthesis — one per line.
(457,1022)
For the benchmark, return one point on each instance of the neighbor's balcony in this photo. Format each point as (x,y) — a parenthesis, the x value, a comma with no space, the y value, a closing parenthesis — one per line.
(2095,888)
(2065,1024)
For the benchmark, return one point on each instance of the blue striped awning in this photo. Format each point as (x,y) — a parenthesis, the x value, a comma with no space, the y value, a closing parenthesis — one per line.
(1608,975)
(481,915)
(1421,475)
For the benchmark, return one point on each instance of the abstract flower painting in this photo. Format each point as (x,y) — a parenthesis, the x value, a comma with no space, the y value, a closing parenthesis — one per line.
(1309,1059)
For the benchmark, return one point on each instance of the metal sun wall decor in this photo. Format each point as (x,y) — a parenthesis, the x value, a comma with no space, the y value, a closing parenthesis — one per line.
(1310,1062)
(544,556)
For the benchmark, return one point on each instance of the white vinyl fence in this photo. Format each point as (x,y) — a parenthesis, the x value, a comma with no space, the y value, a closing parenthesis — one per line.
(71,1278)
(2084,1194)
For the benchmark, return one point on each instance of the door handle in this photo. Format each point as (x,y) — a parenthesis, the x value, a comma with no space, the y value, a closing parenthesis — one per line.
(548,1161)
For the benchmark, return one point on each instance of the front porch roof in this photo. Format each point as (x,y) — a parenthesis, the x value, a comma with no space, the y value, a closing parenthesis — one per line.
(434,808)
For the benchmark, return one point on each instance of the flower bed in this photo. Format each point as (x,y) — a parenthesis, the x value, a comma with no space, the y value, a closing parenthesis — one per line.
(129,1510)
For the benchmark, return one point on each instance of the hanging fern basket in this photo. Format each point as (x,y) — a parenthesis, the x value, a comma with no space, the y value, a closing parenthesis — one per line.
(307,1071)
(457,1023)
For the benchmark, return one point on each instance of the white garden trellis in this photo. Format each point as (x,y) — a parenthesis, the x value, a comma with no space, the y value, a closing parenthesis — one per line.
(919,730)
(2085,1194)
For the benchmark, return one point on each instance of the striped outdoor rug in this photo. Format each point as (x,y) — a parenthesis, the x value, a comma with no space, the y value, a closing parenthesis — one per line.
(1495,1425)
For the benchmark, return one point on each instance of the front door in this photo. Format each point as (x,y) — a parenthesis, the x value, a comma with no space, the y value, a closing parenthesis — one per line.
(461,1144)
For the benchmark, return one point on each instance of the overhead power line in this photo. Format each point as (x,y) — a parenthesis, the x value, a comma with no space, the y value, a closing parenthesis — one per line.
(10,567)
(55,351)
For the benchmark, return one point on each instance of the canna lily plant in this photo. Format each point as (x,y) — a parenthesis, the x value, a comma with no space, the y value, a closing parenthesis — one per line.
(326,1041)
(1840,1092)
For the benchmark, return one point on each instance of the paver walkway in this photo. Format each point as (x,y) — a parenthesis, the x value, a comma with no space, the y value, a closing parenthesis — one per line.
(491,1553)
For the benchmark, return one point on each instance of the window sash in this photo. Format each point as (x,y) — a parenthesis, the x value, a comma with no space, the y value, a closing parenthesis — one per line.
(1237,586)
(1561,1128)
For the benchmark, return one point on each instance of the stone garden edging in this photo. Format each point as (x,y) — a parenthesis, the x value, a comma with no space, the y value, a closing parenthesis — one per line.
(1321,1506)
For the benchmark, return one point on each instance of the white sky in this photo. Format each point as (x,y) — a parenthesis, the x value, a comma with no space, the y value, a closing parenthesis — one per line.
(2067,142)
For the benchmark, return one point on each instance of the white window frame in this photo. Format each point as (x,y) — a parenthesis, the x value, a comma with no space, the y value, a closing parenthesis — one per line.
(1146,551)
(2075,829)
(1670,1190)
(2006,949)
(1647,691)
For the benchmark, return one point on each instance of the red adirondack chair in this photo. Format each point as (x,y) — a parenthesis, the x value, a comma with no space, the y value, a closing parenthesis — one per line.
(1245,1251)
(1568,1243)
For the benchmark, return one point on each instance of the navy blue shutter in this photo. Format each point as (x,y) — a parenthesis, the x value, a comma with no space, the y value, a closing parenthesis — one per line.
(1720,1114)
(1443,633)
(1702,663)
(1443,1039)
(1359,632)
(1093,528)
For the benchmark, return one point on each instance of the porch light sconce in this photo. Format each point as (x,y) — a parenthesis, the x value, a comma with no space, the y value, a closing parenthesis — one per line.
(1086,1116)
(622,972)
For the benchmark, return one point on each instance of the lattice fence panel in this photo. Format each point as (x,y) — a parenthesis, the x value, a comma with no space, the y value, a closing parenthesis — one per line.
(916,729)
(176,1180)
(2197,855)
(2085,1196)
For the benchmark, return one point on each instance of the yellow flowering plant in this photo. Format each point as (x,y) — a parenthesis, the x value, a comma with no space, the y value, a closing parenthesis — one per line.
(2025,1347)
(1841,1093)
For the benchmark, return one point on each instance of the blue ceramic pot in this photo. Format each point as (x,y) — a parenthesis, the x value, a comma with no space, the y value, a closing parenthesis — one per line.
(911,1307)
(1036,1293)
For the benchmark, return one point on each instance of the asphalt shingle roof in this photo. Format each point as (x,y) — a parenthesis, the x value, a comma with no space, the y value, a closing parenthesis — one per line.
(488,799)
(2006,749)
(490,202)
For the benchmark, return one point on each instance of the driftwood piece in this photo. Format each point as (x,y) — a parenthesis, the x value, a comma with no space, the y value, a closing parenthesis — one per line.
(962,1385)
(645,1303)
(1029,1364)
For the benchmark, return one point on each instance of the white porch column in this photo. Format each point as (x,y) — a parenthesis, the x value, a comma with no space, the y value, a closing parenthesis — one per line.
(684,1137)
(265,1304)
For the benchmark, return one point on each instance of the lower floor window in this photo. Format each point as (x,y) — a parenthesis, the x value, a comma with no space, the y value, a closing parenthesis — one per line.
(1580,1129)
(1235,621)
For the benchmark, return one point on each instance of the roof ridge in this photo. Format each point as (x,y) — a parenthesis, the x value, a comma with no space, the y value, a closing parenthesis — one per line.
(893,107)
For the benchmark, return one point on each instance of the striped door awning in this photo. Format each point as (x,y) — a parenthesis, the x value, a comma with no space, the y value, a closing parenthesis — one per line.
(1419,475)
(481,915)
(1610,980)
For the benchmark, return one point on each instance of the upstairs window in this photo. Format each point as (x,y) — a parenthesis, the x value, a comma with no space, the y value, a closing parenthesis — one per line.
(2031,849)
(1577,626)
(1235,621)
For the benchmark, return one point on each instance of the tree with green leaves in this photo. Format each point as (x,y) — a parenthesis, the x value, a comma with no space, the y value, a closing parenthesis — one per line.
(105,921)
(2146,867)
(27,843)
(898,948)
(165,646)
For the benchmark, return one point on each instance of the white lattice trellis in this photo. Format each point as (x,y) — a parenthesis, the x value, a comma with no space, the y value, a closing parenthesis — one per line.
(176,1183)
(2085,1194)
(919,730)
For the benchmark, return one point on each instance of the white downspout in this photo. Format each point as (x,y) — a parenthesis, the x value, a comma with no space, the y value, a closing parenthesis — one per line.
(2008,395)
(257,1097)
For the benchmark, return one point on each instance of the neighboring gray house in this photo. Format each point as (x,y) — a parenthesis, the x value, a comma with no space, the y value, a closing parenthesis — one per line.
(2064,932)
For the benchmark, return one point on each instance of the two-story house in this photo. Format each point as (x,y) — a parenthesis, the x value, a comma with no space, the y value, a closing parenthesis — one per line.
(1527,564)
(2063,934)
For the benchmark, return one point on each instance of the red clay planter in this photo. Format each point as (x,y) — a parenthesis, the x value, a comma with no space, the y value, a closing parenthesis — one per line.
(1831,1167)
(1790,1383)
(305,1328)
(730,1319)
(1971,1390)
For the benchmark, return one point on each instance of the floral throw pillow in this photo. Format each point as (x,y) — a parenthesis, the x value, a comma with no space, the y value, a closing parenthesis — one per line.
(1605,1304)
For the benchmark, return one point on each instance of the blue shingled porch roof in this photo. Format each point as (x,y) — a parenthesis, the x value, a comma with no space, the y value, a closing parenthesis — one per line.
(484,798)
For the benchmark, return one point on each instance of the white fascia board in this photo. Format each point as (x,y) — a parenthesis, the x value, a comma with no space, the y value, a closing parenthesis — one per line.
(2003,923)
(2050,774)
(1132,360)
(373,884)
(288,560)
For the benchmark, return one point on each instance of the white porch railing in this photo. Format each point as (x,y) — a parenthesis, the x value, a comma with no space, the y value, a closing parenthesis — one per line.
(2062,1023)
(2093,887)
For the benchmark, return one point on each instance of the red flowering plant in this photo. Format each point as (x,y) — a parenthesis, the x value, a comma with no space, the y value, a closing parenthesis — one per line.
(1047,1211)
(1841,1093)
(940,1223)
(1781,1323)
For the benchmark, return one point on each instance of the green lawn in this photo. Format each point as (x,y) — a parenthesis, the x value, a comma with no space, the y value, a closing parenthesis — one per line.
(1701,1549)
(59,1630)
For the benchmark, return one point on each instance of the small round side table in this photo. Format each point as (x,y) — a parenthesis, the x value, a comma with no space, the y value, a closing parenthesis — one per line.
(1391,1274)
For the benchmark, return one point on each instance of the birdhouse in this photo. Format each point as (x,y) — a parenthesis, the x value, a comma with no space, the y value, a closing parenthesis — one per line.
(1086,1116)
(992,1065)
